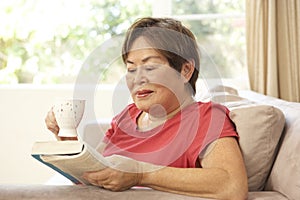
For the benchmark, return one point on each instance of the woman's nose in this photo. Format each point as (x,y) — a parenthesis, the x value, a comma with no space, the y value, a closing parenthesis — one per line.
(140,76)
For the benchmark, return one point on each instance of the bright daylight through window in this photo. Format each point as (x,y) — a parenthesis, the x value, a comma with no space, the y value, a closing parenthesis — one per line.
(46,42)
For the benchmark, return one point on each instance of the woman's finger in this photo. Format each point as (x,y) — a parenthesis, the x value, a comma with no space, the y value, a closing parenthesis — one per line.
(51,122)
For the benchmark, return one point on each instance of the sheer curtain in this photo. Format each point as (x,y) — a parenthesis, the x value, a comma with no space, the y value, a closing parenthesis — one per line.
(273,47)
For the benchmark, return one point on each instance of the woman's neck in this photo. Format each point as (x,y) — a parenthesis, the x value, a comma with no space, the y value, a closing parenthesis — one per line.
(149,121)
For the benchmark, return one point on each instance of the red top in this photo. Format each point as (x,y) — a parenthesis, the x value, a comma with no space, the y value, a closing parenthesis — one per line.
(177,143)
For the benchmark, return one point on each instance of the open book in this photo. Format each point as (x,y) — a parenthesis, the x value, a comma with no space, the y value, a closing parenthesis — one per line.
(69,158)
(73,158)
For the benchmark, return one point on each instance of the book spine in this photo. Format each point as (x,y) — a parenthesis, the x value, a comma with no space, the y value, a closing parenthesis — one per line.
(68,176)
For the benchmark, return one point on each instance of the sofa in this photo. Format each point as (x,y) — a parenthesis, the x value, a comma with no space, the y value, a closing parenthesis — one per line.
(269,130)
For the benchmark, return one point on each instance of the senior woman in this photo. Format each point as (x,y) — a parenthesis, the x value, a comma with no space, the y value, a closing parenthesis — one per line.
(196,142)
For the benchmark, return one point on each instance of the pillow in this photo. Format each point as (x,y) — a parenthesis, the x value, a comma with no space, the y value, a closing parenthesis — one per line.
(259,128)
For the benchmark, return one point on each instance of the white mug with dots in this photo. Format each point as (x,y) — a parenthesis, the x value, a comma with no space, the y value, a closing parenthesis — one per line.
(68,114)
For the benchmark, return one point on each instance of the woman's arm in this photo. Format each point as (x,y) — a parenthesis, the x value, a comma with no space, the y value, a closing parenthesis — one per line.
(223,175)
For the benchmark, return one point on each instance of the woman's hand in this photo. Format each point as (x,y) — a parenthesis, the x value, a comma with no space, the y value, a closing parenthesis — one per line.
(52,125)
(112,179)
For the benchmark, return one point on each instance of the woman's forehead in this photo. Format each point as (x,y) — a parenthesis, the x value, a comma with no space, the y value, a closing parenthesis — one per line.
(140,43)
(145,55)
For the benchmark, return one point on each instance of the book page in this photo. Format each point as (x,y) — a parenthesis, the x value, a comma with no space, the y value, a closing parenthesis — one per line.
(91,160)
(76,165)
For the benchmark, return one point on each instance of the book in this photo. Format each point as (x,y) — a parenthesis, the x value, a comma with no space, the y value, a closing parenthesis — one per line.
(69,158)
(73,158)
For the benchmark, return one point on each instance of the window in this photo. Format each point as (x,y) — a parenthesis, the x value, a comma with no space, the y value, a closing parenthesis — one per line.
(47,41)
(219,26)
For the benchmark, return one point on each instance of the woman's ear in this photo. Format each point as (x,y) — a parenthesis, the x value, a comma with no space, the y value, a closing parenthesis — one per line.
(187,70)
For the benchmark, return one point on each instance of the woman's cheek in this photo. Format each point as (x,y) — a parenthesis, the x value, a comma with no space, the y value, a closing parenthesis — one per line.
(129,82)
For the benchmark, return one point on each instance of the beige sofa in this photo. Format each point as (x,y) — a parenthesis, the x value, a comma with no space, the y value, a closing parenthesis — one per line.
(269,131)
(283,181)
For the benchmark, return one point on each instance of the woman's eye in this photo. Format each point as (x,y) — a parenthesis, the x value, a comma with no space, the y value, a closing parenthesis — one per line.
(131,70)
(149,68)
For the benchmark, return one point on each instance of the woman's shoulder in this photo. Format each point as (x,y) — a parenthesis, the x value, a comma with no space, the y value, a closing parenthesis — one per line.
(204,105)
(211,106)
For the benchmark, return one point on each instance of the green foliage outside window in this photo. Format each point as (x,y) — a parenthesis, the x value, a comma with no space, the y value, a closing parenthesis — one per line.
(47,41)
(223,39)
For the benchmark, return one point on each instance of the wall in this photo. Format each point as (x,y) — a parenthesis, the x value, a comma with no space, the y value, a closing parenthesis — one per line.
(22,112)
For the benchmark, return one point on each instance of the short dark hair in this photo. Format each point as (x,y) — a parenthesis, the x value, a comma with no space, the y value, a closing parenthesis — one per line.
(170,38)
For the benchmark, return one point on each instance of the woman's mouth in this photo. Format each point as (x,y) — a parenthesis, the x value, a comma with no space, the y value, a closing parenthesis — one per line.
(143,93)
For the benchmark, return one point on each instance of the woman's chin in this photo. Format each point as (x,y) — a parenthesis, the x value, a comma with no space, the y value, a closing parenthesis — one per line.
(142,106)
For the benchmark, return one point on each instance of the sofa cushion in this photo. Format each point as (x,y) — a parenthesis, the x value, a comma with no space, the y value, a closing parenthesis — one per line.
(84,192)
(260,127)
(88,192)
(266,195)
(285,174)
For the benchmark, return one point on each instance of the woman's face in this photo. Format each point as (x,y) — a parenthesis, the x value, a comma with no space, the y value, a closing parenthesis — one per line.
(155,87)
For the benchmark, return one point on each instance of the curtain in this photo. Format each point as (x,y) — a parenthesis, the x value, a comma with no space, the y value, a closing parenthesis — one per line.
(273,47)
